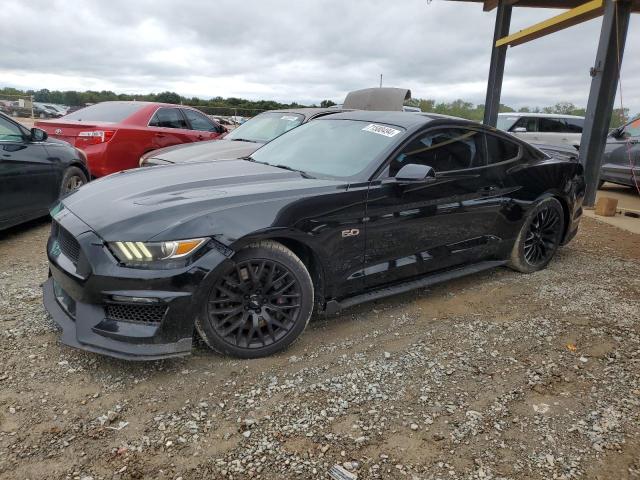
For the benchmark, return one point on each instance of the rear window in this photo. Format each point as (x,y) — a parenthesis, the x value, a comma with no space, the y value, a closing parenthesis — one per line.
(112,112)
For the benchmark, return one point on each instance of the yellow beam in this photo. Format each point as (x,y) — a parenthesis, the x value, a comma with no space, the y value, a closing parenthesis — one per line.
(580,14)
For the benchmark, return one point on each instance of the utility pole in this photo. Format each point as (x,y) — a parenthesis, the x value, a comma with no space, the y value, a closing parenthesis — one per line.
(380,80)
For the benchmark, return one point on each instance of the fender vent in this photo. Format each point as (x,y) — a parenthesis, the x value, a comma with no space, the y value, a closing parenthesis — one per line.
(68,243)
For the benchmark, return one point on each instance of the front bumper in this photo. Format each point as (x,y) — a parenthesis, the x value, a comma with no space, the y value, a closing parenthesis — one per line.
(128,313)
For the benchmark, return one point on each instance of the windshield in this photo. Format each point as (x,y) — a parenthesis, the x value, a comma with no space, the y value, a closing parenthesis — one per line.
(266,126)
(333,148)
(113,112)
(505,122)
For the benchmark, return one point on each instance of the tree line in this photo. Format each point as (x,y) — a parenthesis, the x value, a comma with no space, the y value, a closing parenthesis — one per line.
(456,108)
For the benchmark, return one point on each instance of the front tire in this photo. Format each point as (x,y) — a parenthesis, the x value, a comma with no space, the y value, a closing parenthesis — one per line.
(260,305)
(73,179)
(539,237)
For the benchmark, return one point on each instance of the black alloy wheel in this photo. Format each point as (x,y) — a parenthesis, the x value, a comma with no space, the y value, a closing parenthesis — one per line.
(260,305)
(542,238)
(539,237)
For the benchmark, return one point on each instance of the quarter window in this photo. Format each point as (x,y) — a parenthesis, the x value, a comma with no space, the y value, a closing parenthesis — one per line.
(200,122)
(501,150)
(168,118)
(443,150)
(574,125)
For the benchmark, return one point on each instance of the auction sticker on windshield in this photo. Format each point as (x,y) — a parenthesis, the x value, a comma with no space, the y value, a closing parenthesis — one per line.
(381,130)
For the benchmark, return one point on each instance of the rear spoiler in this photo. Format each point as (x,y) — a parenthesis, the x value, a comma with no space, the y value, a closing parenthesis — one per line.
(383,99)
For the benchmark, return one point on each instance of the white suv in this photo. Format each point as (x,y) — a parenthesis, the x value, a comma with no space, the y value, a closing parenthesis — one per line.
(547,128)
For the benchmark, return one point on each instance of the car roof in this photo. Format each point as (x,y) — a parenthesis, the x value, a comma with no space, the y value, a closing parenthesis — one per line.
(541,115)
(406,120)
(148,104)
(308,112)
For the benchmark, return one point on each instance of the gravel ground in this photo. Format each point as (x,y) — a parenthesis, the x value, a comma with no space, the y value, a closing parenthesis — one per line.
(495,376)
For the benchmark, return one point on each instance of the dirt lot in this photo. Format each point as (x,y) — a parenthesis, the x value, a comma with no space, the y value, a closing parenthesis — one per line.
(496,376)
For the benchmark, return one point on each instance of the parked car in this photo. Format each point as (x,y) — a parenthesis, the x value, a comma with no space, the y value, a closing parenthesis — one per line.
(17,108)
(42,110)
(621,155)
(548,128)
(241,142)
(61,109)
(6,106)
(345,209)
(114,135)
(34,172)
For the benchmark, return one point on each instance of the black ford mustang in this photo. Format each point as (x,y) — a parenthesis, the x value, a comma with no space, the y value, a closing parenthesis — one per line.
(348,208)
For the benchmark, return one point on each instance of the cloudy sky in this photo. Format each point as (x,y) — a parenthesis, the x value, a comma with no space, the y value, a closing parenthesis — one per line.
(292,50)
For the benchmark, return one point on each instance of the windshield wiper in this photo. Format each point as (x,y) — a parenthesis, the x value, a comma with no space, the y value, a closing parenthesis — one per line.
(244,140)
(251,159)
(284,167)
(291,169)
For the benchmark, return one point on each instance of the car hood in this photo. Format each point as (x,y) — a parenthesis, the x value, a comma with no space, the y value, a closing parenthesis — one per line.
(203,151)
(225,199)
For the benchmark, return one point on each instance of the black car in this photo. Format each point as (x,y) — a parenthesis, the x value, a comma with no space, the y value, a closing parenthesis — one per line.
(621,162)
(348,208)
(241,142)
(34,172)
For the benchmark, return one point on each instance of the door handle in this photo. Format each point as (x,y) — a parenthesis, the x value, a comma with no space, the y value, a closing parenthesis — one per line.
(201,137)
(160,135)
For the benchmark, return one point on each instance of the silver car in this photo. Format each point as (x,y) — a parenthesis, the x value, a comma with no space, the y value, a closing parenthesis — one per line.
(547,128)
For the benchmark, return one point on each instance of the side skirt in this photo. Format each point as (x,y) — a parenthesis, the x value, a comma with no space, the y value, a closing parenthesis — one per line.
(334,306)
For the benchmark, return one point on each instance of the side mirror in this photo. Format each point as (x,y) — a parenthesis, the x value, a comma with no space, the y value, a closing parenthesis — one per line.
(519,130)
(38,135)
(415,173)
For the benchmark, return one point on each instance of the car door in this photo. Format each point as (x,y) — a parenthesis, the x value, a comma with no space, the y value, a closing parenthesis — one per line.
(621,153)
(201,127)
(168,126)
(419,228)
(30,182)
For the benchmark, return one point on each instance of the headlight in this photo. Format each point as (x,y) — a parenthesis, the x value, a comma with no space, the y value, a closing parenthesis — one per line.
(155,254)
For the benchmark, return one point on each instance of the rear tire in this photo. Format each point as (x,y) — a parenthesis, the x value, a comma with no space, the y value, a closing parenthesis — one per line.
(539,237)
(260,305)
(73,179)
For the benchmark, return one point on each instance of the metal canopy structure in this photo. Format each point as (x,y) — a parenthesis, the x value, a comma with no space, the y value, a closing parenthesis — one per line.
(604,74)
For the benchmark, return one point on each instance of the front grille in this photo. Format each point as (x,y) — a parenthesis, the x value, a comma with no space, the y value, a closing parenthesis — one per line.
(146,314)
(68,243)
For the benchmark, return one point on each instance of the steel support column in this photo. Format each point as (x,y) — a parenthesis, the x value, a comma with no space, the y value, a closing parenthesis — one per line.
(496,68)
(613,35)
